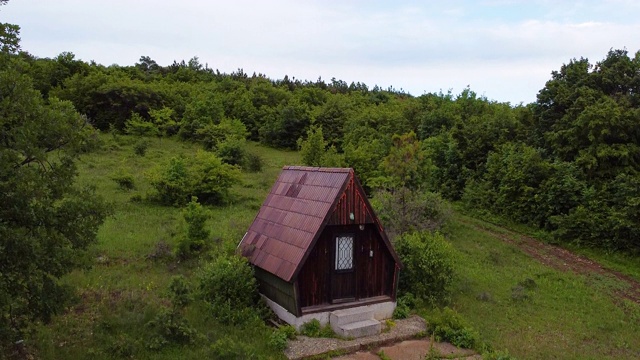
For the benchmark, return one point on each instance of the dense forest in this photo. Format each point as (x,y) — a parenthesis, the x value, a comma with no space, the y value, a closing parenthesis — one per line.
(568,164)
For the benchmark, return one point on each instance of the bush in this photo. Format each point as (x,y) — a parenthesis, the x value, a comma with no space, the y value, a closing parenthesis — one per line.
(232,151)
(170,327)
(180,291)
(124,180)
(203,176)
(404,210)
(403,306)
(195,240)
(314,329)
(140,147)
(289,331)
(253,162)
(138,126)
(278,340)
(213,135)
(312,148)
(428,266)
(449,326)
(229,288)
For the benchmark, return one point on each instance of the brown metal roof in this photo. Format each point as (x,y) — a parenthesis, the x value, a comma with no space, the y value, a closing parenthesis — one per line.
(299,204)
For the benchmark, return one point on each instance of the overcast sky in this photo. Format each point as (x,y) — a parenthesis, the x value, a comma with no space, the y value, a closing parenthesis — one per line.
(504,50)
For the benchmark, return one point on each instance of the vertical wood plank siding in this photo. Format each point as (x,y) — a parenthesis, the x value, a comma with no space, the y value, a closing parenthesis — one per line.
(314,279)
(277,290)
(351,202)
(374,276)
(375,273)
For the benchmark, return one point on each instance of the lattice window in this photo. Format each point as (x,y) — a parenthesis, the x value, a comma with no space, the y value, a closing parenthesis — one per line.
(344,252)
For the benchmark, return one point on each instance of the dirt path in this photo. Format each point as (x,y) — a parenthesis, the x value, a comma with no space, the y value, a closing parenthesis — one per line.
(564,260)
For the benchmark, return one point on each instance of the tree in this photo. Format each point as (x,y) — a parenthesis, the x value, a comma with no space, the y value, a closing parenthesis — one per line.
(148,66)
(9,40)
(137,126)
(289,124)
(428,266)
(163,119)
(195,240)
(204,176)
(588,114)
(204,109)
(404,164)
(312,149)
(46,224)
(9,36)
(332,116)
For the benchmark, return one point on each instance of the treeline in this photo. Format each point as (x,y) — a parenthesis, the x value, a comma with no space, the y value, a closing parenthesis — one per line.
(567,163)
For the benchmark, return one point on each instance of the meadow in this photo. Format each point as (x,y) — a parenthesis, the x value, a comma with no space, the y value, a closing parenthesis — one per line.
(513,301)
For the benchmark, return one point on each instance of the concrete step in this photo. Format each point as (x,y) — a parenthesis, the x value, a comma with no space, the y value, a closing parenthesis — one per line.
(347,316)
(358,329)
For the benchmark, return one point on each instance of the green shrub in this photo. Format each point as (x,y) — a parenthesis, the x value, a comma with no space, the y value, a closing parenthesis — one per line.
(314,329)
(332,158)
(232,151)
(253,162)
(204,176)
(403,306)
(195,240)
(138,126)
(278,340)
(212,135)
(289,331)
(404,210)
(169,327)
(312,148)
(124,180)
(229,288)
(140,147)
(180,291)
(449,326)
(311,328)
(428,266)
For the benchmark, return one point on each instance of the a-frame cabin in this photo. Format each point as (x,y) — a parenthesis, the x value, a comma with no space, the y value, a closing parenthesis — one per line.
(317,246)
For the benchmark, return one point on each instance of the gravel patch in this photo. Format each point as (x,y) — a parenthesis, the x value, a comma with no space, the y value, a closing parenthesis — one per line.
(304,347)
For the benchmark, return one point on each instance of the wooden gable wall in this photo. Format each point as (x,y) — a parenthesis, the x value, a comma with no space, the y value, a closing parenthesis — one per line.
(352,201)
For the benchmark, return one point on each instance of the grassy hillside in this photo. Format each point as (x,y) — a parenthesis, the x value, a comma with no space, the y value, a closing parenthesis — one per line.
(514,302)
(534,311)
(128,284)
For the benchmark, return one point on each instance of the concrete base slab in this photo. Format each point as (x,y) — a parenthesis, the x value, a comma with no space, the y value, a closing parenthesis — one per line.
(381,311)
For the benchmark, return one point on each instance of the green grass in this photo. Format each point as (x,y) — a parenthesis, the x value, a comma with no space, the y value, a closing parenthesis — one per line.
(560,315)
(125,289)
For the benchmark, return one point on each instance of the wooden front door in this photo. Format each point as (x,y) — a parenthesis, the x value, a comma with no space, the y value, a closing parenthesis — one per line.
(343,274)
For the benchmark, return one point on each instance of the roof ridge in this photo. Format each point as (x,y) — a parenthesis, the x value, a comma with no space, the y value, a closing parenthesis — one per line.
(316,168)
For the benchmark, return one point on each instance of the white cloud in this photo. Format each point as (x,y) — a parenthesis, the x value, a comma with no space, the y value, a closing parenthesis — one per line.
(502,52)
